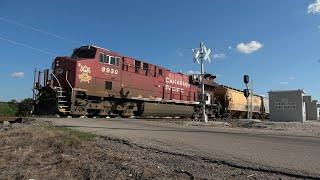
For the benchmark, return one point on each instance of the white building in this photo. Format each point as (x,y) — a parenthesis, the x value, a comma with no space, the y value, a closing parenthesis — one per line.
(287,106)
(292,105)
(318,108)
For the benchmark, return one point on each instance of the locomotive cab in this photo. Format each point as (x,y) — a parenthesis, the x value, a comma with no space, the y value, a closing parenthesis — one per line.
(78,83)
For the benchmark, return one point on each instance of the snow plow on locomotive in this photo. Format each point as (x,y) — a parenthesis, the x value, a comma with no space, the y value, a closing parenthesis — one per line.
(98,82)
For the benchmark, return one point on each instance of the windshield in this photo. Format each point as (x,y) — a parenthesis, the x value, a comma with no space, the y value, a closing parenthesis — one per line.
(85,52)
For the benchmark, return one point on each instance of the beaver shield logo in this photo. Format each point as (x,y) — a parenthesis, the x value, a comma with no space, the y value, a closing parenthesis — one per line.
(84,76)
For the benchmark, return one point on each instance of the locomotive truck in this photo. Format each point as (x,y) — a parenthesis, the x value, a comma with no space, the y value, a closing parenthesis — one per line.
(95,81)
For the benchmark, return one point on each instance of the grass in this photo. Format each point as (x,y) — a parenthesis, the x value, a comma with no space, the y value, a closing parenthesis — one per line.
(73,136)
(64,137)
(61,152)
(7,110)
(39,150)
(79,134)
(46,135)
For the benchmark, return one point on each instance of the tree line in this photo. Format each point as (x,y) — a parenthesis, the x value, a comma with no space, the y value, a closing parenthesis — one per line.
(15,108)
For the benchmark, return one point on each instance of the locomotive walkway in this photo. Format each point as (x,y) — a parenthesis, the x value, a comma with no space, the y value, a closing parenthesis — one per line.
(294,155)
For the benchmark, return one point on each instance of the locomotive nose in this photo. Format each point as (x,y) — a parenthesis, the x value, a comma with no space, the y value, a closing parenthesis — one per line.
(62,64)
(62,68)
(61,61)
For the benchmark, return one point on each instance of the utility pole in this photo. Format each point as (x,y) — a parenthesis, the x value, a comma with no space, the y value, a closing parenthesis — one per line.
(246,93)
(202,54)
(251,94)
(34,84)
(34,89)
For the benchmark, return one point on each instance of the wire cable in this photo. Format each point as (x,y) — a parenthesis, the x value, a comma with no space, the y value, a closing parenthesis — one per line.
(39,30)
(27,46)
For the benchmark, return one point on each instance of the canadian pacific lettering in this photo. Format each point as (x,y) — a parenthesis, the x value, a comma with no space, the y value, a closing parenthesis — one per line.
(170,82)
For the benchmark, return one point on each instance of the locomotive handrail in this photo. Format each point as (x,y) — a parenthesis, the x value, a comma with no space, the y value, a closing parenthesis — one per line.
(68,80)
(56,79)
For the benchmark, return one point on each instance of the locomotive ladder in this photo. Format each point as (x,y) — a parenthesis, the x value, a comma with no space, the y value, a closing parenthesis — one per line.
(62,100)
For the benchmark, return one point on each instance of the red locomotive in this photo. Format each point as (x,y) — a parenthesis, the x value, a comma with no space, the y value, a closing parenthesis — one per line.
(98,82)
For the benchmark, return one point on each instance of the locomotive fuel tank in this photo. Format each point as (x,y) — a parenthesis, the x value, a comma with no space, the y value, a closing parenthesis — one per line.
(167,110)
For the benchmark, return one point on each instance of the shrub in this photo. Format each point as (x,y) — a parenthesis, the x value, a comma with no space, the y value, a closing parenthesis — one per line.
(25,107)
(7,110)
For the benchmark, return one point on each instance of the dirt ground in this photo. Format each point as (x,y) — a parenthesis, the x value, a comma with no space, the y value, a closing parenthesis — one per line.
(37,150)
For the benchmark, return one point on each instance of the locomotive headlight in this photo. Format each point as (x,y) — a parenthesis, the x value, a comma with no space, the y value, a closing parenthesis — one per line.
(57,63)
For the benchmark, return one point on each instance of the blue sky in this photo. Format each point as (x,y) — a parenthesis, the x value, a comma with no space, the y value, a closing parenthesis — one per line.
(275,42)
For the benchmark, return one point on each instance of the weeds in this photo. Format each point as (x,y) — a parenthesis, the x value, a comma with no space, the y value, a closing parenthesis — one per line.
(86,136)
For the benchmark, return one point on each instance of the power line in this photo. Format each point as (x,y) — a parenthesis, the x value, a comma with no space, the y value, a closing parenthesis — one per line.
(39,30)
(27,46)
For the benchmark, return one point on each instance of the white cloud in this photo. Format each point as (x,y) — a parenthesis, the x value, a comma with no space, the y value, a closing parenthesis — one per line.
(17,75)
(219,56)
(248,48)
(229,47)
(193,72)
(291,78)
(314,8)
(284,82)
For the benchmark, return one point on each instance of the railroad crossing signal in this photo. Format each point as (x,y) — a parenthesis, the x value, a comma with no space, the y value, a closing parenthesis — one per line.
(200,55)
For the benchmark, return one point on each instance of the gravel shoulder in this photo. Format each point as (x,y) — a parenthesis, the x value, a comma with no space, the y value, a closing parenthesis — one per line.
(38,150)
(309,128)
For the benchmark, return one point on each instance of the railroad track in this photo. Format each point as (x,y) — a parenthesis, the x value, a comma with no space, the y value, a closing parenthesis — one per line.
(10,119)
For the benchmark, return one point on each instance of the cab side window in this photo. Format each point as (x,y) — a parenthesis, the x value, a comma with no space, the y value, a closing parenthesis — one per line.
(112,60)
(103,58)
(160,72)
(117,61)
(137,65)
(107,59)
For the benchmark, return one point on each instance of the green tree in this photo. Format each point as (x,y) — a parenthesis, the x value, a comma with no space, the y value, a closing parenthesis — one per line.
(13,103)
(7,110)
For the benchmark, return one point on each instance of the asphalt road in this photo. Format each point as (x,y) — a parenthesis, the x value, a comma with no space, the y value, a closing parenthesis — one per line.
(288,154)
